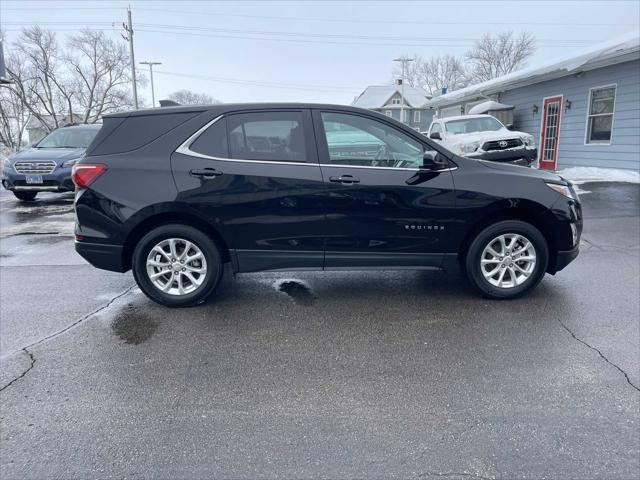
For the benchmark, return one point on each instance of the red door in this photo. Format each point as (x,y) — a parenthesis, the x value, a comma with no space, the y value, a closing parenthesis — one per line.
(550,132)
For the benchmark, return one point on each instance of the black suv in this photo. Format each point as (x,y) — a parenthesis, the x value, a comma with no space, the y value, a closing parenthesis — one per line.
(175,193)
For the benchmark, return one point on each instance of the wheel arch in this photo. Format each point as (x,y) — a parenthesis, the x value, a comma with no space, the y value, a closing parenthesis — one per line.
(182,217)
(524,210)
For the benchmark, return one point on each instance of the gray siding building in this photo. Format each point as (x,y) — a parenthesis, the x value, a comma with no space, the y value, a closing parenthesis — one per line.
(387,99)
(583,110)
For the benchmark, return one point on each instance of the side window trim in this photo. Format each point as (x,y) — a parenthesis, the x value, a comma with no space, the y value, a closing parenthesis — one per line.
(323,148)
(310,143)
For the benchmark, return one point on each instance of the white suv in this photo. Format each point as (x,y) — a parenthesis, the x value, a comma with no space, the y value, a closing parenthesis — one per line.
(483,137)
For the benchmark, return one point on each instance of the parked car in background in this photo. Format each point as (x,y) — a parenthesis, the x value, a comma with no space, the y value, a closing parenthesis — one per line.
(483,137)
(175,193)
(46,166)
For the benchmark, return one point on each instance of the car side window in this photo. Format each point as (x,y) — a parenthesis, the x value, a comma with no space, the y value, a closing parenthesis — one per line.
(362,141)
(275,136)
(213,141)
(436,128)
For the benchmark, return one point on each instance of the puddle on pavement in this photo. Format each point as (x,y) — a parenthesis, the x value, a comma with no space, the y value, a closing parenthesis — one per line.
(37,209)
(133,326)
(44,239)
(298,291)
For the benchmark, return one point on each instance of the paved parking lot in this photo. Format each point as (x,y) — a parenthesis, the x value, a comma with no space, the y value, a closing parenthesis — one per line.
(333,375)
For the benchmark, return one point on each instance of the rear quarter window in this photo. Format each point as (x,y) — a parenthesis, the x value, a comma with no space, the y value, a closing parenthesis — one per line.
(119,135)
(213,141)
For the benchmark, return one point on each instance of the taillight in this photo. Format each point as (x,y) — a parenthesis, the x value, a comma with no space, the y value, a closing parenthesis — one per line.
(84,175)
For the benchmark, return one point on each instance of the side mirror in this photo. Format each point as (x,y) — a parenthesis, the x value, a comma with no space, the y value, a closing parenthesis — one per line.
(509,126)
(435,136)
(433,161)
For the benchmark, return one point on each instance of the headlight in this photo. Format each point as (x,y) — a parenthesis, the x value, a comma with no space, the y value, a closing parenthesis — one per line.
(469,147)
(565,190)
(529,141)
(70,163)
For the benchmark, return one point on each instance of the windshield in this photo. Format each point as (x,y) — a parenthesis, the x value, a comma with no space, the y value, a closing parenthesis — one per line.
(470,125)
(68,138)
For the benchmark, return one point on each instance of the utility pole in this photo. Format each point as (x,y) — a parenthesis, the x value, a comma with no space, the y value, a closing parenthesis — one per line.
(153,93)
(403,61)
(129,37)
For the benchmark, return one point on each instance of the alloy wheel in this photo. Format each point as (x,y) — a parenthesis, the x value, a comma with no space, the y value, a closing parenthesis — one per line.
(176,266)
(508,260)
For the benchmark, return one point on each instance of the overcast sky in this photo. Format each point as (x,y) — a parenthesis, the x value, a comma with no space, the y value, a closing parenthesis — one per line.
(314,51)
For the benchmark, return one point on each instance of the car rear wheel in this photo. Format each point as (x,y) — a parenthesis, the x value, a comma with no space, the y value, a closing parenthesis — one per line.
(177,265)
(25,196)
(507,259)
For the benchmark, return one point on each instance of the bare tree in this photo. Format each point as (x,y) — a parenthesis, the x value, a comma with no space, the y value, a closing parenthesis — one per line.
(435,73)
(187,97)
(99,70)
(90,79)
(493,56)
(41,84)
(14,111)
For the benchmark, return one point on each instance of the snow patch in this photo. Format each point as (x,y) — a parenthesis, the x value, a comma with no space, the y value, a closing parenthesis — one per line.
(580,175)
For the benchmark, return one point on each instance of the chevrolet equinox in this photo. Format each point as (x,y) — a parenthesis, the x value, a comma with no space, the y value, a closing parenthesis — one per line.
(175,193)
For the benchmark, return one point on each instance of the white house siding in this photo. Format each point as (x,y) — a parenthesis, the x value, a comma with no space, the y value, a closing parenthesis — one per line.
(624,150)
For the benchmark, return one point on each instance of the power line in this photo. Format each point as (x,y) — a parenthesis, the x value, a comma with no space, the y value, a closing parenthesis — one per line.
(338,36)
(386,22)
(189,28)
(294,86)
(326,42)
(334,20)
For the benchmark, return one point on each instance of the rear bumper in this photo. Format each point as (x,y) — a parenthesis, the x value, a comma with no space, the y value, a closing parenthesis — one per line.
(517,156)
(106,257)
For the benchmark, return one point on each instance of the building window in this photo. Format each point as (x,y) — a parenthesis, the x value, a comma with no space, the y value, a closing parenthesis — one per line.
(388,113)
(416,116)
(405,116)
(395,101)
(600,114)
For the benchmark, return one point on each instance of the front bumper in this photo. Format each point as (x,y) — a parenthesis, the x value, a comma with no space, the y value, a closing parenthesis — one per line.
(106,257)
(564,258)
(518,156)
(57,181)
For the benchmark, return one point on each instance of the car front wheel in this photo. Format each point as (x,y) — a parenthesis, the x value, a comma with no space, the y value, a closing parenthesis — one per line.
(177,265)
(25,196)
(507,259)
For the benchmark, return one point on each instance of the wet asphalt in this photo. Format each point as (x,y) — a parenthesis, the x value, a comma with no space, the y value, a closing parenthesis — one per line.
(319,375)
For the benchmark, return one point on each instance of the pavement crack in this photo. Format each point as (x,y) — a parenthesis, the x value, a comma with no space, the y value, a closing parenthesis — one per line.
(32,360)
(83,318)
(626,376)
(455,474)
(60,332)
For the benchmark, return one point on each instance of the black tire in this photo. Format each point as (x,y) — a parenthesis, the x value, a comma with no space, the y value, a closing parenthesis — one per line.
(473,258)
(215,265)
(25,196)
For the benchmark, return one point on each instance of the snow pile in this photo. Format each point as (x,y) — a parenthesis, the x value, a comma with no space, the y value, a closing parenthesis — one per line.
(489,105)
(581,175)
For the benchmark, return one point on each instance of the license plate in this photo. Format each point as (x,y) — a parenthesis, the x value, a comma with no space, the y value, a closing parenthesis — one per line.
(34,179)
